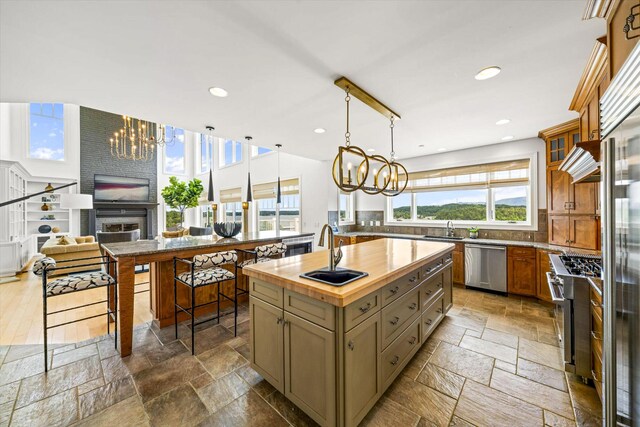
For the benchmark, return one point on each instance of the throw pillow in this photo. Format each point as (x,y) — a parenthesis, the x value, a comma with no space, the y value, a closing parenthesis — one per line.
(63,241)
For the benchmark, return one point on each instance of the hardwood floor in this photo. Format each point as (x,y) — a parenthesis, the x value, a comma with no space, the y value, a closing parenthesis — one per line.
(493,361)
(21,312)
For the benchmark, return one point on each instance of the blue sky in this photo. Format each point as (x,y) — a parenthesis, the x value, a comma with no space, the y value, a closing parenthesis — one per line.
(46,132)
(174,153)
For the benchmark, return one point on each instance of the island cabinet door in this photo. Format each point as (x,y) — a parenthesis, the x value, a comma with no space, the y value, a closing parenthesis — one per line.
(267,342)
(310,368)
(447,286)
(362,375)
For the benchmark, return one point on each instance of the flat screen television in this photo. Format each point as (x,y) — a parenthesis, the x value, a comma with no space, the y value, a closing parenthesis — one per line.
(120,189)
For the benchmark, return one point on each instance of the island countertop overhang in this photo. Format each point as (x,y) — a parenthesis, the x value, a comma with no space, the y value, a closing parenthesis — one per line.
(385,260)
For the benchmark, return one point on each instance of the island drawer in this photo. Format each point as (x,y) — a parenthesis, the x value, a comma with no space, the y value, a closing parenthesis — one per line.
(396,356)
(397,288)
(318,312)
(432,316)
(448,258)
(429,289)
(432,267)
(396,316)
(360,310)
(267,292)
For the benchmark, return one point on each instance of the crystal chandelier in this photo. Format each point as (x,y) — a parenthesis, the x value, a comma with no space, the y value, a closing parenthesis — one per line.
(161,137)
(134,141)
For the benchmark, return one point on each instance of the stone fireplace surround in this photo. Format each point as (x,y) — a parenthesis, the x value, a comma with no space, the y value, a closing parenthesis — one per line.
(124,216)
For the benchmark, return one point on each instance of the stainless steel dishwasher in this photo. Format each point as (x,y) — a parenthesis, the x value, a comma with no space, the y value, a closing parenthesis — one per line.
(485,267)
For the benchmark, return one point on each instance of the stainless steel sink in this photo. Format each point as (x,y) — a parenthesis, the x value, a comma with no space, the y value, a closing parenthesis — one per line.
(337,277)
(443,237)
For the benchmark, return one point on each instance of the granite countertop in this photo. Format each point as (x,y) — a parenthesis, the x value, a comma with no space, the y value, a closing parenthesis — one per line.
(163,244)
(537,245)
(384,260)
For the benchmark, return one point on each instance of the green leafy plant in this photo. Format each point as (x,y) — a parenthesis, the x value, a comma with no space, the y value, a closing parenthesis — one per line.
(473,229)
(182,195)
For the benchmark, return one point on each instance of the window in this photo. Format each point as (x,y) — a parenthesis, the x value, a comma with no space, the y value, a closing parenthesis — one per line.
(230,152)
(231,200)
(270,215)
(174,163)
(346,208)
(259,151)
(206,216)
(46,131)
(206,153)
(495,193)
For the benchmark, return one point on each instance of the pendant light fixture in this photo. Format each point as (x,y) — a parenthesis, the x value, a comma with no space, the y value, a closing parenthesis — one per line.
(211,192)
(249,193)
(279,191)
(348,156)
(395,185)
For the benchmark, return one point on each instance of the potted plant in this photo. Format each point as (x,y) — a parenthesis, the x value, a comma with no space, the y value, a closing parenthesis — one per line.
(182,195)
(473,232)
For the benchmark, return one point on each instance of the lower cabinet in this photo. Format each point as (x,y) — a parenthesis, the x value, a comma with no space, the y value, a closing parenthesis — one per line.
(458,264)
(521,271)
(362,382)
(309,363)
(267,338)
(543,267)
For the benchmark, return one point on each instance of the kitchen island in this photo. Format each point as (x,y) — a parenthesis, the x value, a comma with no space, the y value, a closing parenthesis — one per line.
(333,351)
(159,254)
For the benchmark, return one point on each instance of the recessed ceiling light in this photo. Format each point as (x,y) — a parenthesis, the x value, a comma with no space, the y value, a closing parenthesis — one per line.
(218,91)
(487,73)
(507,138)
(442,149)
(502,122)
(319,130)
(371,150)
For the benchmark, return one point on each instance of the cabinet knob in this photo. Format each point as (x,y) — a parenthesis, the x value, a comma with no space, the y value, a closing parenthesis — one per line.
(413,279)
(395,360)
(439,284)
(428,292)
(279,320)
(395,290)
(395,320)
(439,310)
(365,308)
(413,306)
(428,322)
(351,345)
(413,340)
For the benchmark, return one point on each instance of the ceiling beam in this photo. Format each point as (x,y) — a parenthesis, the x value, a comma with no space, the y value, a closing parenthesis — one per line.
(365,97)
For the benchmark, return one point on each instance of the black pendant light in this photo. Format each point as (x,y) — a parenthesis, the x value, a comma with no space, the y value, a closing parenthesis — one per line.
(210,195)
(249,195)
(279,193)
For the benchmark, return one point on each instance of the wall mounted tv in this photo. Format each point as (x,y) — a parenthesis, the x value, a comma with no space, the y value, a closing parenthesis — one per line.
(120,189)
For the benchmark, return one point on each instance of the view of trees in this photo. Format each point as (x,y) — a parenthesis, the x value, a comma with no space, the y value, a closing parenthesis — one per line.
(462,211)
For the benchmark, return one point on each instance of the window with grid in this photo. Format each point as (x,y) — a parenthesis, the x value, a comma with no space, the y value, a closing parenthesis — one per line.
(230,152)
(346,208)
(231,200)
(271,216)
(492,193)
(174,154)
(46,131)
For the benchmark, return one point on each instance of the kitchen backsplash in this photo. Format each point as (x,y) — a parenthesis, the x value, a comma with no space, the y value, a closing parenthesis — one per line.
(377,217)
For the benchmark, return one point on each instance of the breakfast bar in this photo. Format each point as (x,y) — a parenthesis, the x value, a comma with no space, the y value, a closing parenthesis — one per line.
(159,255)
(334,350)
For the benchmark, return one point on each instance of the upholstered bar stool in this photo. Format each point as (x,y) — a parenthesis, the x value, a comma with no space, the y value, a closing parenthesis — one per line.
(205,270)
(75,283)
(260,254)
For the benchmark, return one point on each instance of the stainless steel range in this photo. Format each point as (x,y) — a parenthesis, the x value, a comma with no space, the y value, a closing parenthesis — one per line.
(569,288)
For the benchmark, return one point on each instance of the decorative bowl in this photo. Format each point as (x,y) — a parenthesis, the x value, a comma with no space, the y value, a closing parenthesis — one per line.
(227,229)
(44,229)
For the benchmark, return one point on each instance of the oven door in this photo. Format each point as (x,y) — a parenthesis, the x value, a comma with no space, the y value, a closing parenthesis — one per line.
(562,315)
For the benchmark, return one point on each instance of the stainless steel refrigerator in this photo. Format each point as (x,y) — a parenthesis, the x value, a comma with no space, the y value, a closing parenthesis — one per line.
(620,205)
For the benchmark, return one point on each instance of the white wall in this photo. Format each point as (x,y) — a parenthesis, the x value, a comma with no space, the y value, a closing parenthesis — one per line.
(485,154)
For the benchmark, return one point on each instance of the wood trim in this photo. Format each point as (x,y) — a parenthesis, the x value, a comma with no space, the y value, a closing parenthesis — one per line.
(561,128)
(366,97)
(597,9)
(591,76)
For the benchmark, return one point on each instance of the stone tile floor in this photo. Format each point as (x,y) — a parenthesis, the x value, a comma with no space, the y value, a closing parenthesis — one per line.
(493,361)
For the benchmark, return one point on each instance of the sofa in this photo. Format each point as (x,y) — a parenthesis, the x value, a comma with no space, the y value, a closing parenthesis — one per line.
(77,247)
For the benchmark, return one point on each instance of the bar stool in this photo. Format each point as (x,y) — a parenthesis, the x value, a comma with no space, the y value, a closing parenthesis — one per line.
(205,270)
(260,254)
(76,283)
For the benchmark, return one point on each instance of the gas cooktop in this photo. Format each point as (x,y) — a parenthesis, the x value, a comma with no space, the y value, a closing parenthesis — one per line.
(582,265)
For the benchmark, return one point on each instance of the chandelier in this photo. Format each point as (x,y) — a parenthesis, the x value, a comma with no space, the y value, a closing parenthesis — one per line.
(387,177)
(134,141)
(161,137)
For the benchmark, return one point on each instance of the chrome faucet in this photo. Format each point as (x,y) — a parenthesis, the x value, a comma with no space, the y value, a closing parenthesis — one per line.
(450,228)
(334,257)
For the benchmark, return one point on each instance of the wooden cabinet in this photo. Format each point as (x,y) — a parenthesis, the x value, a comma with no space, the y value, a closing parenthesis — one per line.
(521,271)
(584,232)
(458,264)
(309,359)
(543,267)
(360,239)
(558,191)
(596,339)
(267,341)
(346,240)
(362,380)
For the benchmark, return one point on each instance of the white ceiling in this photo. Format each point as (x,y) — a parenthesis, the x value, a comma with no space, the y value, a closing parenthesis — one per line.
(278,61)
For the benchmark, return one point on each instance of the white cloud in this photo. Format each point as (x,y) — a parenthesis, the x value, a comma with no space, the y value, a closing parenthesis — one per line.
(174,165)
(47,154)
(52,134)
(35,124)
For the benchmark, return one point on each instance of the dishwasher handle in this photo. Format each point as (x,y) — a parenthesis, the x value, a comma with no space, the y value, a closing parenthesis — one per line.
(495,248)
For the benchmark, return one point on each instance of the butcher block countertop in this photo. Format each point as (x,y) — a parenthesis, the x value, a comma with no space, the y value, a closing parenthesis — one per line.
(385,260)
